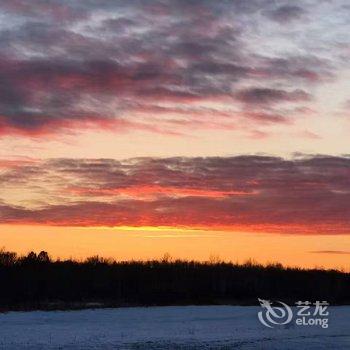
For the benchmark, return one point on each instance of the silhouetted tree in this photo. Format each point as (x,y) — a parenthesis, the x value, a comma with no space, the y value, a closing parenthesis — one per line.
(31,258)
(7,258)
(43,257)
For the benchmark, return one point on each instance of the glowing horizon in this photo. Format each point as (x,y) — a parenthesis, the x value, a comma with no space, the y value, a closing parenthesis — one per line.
(327,251)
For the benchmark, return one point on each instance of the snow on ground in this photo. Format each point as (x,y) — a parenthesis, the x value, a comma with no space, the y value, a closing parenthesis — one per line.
(185,327)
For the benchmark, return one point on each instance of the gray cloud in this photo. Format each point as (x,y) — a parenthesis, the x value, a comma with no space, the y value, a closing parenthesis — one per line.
(63,67)
(256,96)
(286,13)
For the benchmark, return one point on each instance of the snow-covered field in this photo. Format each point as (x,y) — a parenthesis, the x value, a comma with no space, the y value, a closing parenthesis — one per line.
(191,327)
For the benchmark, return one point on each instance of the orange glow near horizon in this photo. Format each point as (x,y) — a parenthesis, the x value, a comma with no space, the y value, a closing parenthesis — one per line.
(127,243)
(151,191)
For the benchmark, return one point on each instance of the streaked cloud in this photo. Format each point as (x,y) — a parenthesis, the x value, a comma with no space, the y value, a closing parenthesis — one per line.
(307,194)
(337,252)
(138,65)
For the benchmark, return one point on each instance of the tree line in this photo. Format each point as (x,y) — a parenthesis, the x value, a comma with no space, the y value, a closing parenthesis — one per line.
(35,281)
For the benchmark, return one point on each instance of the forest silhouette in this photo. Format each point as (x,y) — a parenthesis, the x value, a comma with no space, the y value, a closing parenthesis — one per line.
(35,281)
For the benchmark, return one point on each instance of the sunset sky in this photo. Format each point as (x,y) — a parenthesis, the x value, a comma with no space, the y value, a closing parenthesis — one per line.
(200,128)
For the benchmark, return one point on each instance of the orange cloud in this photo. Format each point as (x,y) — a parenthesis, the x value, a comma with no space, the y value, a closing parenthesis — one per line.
(254,193)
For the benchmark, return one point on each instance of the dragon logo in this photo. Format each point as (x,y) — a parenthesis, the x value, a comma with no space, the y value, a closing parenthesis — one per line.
(274,315)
